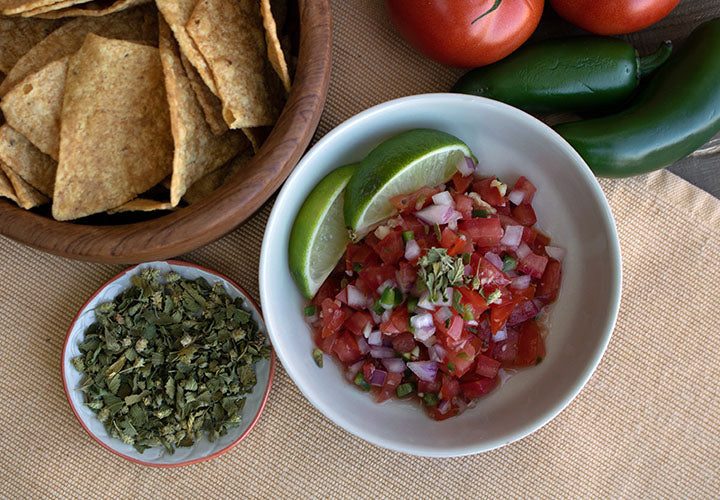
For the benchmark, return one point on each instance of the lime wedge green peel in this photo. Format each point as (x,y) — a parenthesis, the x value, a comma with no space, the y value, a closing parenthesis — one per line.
(319,237)
(400,165)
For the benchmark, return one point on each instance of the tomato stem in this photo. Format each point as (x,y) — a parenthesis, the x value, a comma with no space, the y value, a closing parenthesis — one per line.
(495,6)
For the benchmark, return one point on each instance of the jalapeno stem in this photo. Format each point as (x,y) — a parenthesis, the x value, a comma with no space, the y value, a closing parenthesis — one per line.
(649,64)
(495,6)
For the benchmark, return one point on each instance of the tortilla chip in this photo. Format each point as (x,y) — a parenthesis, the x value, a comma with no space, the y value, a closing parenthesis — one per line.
(275,52)
(257,136)
(6,189)
(141,205)
(115,140)
(14,7)
(93,9)
(56,5)
(210,182)
(197,150)
(230,36)
(18,35)
(209,102)
(137,24)
(27,161)
(25,195)
(177,13)
(33,107)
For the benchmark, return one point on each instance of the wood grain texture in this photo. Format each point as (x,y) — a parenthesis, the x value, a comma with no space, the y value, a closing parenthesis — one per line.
(203,222)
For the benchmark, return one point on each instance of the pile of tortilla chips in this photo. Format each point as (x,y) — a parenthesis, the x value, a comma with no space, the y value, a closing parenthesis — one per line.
(134,105)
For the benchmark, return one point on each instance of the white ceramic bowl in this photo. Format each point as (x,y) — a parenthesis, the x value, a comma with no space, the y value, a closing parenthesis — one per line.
(571,208)
(158,457)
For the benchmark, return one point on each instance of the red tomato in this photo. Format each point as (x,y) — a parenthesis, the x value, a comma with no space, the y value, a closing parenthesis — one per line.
(526,187)
(486,232)
(474,300)
(346,348)
(487,367)
(377,275)
(480,387)
(360,256)
(463,204)
(531,347)
(405,342)
(392,381)
(459,363)
(524,214)
(398,322)
(391,248)
(489,193)
(499,316)
(549,286)
(356,323)
(533,264)
(450,387)
(333,317)
(454,33)
(461,182)
(613,17)
(415,201)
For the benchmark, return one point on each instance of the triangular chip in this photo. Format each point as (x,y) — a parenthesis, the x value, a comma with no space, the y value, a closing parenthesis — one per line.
(209,102)
(6,189)
(141,205)
(26,160)
(57,5)
(33,107)
(18,35)
(177,13)
(197,150)
(230,36)
(93,9)
(275,52)
(25,195)
(137,25)
(115,141)
(14,7)
(210,182)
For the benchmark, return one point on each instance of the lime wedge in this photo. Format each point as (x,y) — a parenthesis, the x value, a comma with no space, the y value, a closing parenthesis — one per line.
(400,165)
(319,237)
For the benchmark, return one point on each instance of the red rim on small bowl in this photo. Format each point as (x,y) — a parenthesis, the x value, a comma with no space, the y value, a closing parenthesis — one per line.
(232,445)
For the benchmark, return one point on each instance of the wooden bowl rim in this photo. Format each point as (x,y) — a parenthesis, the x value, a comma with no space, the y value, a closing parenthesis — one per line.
(196,225)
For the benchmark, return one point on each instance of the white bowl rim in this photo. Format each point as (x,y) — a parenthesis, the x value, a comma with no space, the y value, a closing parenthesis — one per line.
(256,417)
(278,218)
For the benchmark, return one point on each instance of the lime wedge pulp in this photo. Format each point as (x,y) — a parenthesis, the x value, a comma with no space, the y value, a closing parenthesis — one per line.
(401,164)
(319,237)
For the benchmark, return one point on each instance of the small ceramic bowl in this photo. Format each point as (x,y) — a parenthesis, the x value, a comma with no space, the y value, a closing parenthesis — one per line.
(570,207)
(158,457)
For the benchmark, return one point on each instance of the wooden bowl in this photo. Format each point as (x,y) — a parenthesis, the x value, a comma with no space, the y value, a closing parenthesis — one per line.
(193,226)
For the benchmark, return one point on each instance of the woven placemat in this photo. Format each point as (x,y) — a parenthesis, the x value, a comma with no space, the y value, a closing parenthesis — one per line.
(645,426)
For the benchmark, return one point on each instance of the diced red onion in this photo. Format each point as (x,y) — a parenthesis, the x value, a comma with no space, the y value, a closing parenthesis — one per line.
(430,341)
(385,284)
(377,319)
(441,301)
(378,378)
(382,352)
(386,316)
(444,406)
(471,322)
(452,223)
(440,351)
(466,166)
(512,236)
(516,196)
(461,405)
(354,368)
(523,251)
(356,298)
(412,250)
(444,314)
(436,214)
(375,338)
(556,253)
(422,320)
(423,334)
(500,335)
(521,282)
(523,312)
(443,198)
(362,345)
(424,302)
(394,365)
(494,259)
(367,329)
(468,271)
(425,370)
(539,305)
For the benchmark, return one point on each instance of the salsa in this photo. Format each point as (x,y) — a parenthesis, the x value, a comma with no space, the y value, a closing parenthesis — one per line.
(435,301)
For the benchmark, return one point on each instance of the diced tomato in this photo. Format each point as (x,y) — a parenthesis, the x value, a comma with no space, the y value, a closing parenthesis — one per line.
(328,289)
(342,296)
(411,202)
(527,188)
(454,331)
(499,315)
(377,275)
(491,278)
(524,214)
(538,246)
(450,388)
(480,387)
(448,238)
(463,204)
(368,369)
(346,348)
(503,210)
(333,317)
(524,294)
(392,381)
(523,312)
(486,232)
(398,322)
(460,362)
(488,193)
(391,248)
(435,414)
(461,182)
(412,223)
(529,235)
(473,299)
(487,367)
(506,220)
(406,275)
(433,387)
(405,342)
(326,344)
(531,347)
(357,321)
(505,350)
(533,264)
(454,244)
(360,256)
(549,286)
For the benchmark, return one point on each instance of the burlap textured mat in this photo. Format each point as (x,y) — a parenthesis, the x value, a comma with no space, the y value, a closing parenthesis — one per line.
(645,426)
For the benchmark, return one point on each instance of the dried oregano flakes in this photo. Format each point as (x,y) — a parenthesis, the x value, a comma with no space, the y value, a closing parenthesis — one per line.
(169,360)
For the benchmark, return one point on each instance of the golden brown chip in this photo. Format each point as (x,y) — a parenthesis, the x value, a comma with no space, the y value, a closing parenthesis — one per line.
(141,205)
(209,102)
(14,7)
(27,161)
(210,182)
(93,9)
(6,189)
(257,136)
(18,35)
(275,52)
(229,34)
(33,107)
(25,195)
(177,13)
(56,5)
(136,24)
(197,150)
(115,141)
